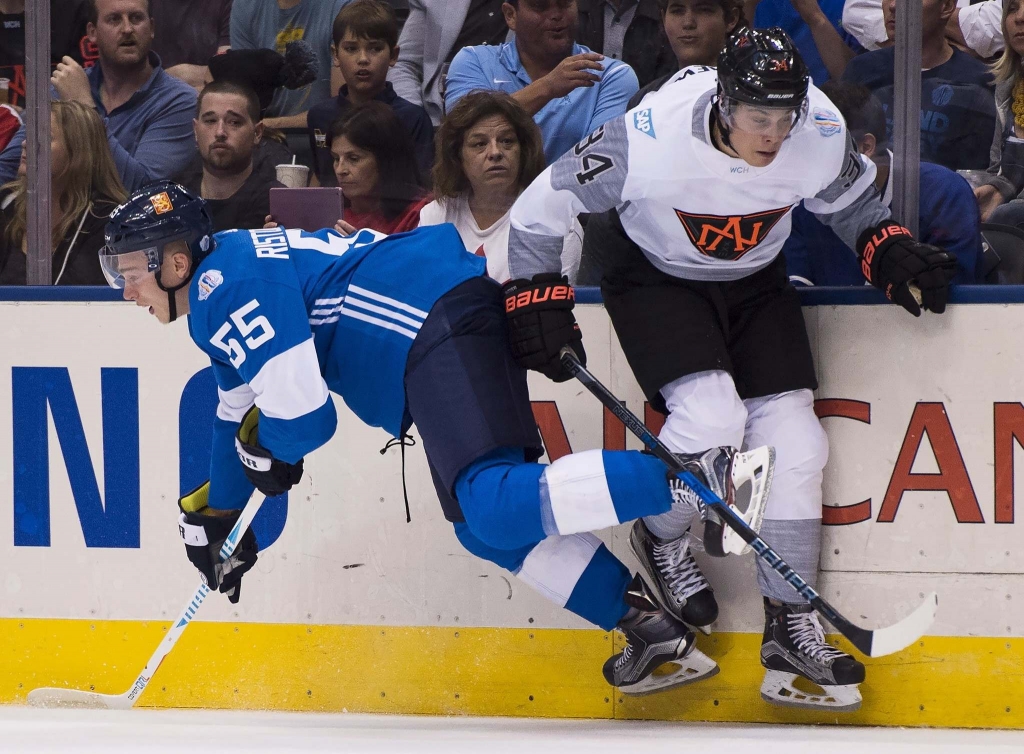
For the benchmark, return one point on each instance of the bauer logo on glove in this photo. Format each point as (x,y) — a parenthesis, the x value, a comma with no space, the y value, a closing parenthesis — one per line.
(269,475)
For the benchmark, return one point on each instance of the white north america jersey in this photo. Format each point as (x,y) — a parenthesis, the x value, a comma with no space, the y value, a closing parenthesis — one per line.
(696,212)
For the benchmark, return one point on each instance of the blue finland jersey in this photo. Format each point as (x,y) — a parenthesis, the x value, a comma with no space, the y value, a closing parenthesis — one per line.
(287,317)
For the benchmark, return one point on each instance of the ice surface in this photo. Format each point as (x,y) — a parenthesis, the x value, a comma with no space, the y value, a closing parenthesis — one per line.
(24,729)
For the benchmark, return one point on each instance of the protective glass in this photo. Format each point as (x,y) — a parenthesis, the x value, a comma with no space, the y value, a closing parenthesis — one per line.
(774,122)
(129,267)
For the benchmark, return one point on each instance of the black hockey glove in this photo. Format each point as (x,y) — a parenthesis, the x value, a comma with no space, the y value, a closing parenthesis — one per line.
(892,260)
(269,475)
(541,323)
(203,530)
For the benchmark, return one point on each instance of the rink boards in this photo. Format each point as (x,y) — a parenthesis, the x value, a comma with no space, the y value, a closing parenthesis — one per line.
(104,418)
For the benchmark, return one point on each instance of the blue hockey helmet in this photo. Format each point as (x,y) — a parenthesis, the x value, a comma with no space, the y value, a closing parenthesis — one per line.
(151,218)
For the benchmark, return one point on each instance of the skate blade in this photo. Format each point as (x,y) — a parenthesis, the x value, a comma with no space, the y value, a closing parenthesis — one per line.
(696,666)
(779,688)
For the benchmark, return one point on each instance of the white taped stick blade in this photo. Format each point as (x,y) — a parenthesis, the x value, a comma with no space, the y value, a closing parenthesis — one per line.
(886,641)
(752,473)
(73,698)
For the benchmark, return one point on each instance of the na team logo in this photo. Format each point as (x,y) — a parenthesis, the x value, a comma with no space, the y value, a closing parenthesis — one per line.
(729,237)
(643,122)
(826,121)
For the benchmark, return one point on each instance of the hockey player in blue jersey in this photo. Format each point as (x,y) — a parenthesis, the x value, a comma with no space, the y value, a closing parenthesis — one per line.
(405,328)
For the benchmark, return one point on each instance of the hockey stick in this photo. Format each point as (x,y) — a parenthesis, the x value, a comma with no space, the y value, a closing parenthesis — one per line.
(872,642)
(55,697)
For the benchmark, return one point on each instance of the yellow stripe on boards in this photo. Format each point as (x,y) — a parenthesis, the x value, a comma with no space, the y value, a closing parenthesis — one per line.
(941,681)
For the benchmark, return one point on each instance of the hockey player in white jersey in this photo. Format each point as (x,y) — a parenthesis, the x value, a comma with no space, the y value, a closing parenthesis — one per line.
(702,177)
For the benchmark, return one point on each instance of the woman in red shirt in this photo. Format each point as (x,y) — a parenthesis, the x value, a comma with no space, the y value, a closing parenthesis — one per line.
(375,164)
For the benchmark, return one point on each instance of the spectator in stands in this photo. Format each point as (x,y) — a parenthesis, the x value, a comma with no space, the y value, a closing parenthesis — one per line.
(568,89)
(228,128)
(10,124)
(489,150)
(148,114)
(974,25)
(630,31)
(1006,179)
(375,166)
(85,187)
(266,72)
(433,33)
(696,31)
(815,28)
(67,29)
(815,255)
(272,24)
(958,111)
(365,48)
(189,33)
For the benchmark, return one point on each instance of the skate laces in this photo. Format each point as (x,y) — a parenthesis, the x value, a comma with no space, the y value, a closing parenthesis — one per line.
(809,637)
(678,568)
(683,495)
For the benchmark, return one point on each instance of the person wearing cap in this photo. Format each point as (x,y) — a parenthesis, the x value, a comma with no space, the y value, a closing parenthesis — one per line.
(264,72)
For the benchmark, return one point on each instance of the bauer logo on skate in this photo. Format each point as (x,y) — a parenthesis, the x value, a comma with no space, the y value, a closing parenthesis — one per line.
(729,237)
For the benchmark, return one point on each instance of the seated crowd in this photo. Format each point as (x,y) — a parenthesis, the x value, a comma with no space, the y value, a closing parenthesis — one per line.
(449,114)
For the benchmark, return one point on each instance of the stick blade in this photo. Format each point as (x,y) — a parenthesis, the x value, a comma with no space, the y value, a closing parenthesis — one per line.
(73,698)
(885,641)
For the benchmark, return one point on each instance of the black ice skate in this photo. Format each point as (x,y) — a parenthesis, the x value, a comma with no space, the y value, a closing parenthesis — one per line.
(741,480)
(678,580)
(794,645)
(655,639)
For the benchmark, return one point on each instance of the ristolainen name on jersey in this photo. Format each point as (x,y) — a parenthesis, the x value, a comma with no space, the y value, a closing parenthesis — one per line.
(271,242)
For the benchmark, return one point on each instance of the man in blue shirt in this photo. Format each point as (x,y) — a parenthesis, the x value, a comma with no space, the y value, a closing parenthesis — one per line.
(405,328)
(148,114)
(949,218)
(958,108)
(568,89)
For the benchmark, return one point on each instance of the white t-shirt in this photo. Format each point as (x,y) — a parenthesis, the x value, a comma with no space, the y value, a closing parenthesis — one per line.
(492,243)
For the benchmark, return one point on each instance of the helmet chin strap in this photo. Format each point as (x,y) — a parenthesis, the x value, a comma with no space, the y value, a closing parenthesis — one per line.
(172,304)
(723,130)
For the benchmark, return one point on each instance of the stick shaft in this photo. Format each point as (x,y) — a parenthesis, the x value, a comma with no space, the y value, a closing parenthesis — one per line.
(858,636)
(192,607)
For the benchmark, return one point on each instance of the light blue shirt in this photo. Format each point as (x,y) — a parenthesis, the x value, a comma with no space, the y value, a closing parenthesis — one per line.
(563,121)
(150,135)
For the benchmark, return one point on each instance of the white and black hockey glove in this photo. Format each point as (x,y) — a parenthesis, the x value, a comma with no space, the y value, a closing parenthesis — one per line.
(541,323)
(203,530)
(892,260)
(269,475)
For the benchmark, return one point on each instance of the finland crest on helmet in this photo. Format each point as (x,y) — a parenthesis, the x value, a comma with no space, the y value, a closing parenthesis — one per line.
(150,219)
(763,69)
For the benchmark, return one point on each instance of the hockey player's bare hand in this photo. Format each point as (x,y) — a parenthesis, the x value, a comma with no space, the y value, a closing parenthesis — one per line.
(573,72)
(71,83)
(988,199)
(891,259)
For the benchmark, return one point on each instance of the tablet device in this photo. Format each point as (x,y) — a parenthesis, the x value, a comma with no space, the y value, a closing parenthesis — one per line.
(306,208)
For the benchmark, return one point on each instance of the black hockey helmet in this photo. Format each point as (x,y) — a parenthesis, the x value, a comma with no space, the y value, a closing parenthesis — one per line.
(151,218)
(762,67)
